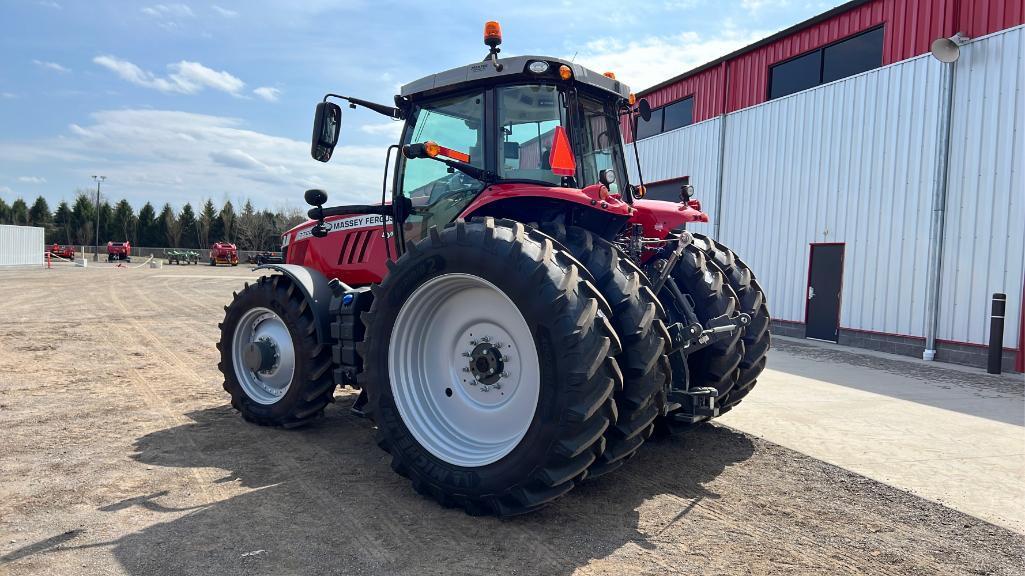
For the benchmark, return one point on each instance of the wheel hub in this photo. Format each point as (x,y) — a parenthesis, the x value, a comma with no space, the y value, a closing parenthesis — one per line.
(262,355)
(487,364)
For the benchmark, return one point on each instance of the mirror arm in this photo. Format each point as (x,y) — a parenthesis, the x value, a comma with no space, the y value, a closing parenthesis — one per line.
(637,155)
(389,111)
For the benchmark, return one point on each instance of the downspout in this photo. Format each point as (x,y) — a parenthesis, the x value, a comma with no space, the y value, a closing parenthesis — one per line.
(939,205)
(720,169)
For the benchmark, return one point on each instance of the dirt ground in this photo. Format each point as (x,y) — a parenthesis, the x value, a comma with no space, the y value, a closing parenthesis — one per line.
(120,455)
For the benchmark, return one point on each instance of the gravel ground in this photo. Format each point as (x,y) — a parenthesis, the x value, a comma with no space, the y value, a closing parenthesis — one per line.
(121,456)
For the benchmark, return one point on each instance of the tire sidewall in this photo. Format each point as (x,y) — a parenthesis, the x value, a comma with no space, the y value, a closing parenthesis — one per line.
(533,450)
(263,295)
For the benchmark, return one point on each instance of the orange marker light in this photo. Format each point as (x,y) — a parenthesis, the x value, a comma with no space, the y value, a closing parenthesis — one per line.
(639,192)
(565,73)
(492,33)
(632,99)
(561,157)
(431,148)
(610,75)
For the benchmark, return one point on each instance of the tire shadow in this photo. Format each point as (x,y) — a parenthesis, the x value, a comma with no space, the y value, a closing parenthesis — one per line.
(323,500)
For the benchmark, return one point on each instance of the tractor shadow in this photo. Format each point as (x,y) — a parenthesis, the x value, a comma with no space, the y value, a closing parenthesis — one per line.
(324,500)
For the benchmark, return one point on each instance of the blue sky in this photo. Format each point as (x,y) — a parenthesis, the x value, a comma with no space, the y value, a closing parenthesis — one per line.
(180,101)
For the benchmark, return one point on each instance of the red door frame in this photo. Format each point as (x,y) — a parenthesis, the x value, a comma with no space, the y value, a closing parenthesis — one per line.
(807,289)
(1019,365)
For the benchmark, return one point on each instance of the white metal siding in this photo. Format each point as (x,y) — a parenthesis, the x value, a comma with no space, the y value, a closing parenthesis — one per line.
(689,151)
(852,162)
(846,162)
(21,245)
(984,248)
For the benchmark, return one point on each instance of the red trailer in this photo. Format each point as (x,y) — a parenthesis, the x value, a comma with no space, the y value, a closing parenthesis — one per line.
(60,251)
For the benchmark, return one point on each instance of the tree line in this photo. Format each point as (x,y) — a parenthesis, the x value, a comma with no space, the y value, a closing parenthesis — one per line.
(75,223)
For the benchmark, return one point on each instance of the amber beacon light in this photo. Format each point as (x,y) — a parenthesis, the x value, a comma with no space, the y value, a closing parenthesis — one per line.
(492,33)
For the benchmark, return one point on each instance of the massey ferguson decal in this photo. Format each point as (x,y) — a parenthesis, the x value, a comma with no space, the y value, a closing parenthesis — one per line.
(344,224)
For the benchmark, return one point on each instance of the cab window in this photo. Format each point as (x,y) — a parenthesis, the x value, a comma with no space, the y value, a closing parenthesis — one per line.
(527,118)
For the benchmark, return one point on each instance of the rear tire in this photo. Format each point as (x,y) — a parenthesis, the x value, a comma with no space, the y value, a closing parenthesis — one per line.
(639,320)
(756,336)
(565,319)
(270,398)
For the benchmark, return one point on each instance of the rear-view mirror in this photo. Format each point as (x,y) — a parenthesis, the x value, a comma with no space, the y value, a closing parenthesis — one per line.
(325,130)
(644,109)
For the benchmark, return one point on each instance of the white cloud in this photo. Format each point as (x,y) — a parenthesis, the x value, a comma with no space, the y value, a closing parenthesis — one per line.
(267,93)
(49,4)
(185,157)
(391,129)
(8,95)
(51,66)
(6,190)
(185,77)
(644,63)
(32,179)
(755,6)
(168,11)
(224,11)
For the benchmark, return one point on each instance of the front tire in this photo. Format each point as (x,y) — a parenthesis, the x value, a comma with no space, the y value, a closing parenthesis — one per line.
(276,371)
(510,284)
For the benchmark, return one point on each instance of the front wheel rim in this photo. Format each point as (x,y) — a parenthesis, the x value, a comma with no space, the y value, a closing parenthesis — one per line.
(267,383)
(464,370)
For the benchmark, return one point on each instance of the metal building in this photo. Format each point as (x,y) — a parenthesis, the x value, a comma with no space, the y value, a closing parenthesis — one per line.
(21,246)
(878,192)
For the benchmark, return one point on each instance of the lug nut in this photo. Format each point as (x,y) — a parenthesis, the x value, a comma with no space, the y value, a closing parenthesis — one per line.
(505,374)
(473,342)
(485,339)
(497,386)
(466,354)
(485,389)
(465,369)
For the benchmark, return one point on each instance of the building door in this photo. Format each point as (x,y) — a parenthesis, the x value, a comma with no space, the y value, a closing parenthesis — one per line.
(825,279)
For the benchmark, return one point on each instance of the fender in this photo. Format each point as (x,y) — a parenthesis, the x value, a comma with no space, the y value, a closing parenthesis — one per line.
(317,291)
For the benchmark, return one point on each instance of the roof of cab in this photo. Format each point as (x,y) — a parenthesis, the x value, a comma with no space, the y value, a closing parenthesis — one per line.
(511,67)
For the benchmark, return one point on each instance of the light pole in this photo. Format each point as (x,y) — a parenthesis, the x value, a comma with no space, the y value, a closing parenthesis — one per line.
(96,239)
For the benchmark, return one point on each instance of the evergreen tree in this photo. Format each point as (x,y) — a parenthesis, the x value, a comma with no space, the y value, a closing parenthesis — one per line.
(19,213)
(62,224)
(83,216)
(227,222)
(205,224)
(169,227)
(5,212)
(149,233)
(124,222)
(107,232)
(39,214)
(187,223)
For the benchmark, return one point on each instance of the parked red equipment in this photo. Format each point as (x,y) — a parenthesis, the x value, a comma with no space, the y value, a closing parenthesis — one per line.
(223,253)
(518,318)
(117,251)
(61,251)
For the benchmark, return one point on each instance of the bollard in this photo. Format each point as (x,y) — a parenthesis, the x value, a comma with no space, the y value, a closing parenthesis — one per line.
(996,333)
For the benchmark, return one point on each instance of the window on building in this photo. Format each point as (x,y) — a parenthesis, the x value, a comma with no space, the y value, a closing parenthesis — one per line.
(668,190)
(678,114)
(651,127)
(853,56)
(669,117)
(838,60)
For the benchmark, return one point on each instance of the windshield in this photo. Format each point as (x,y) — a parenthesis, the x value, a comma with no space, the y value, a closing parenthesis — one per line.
(597,144)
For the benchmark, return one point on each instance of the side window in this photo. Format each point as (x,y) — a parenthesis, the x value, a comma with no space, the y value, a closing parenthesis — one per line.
(437,194)
(602,139)
(651,127)
(847,57)
(795,75)
(527,118)
(679,114)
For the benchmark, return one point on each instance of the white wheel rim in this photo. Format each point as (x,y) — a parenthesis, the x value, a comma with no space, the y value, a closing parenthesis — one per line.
(268,384)
(449,325)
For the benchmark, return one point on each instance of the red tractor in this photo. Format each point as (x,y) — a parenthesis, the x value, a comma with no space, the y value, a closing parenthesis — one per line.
(223,253)
(117,251)
(517,317)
